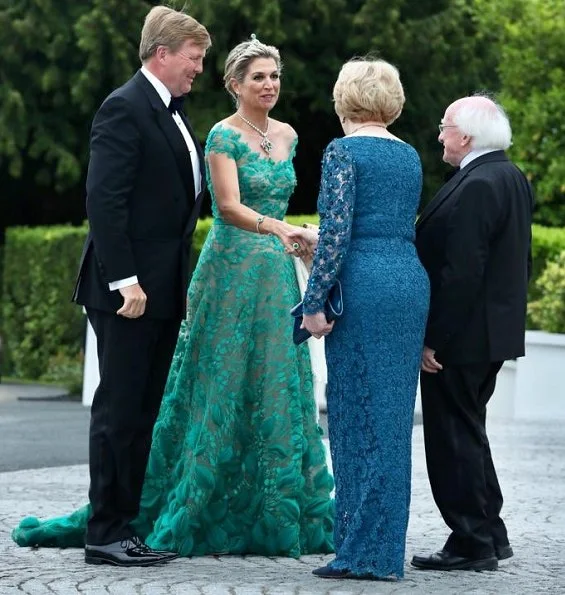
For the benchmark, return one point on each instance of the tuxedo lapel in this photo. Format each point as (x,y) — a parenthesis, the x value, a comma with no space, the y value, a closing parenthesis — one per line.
(443,194)
(198,147)
(171,132)
(191,223)
(180,150)
(449,187)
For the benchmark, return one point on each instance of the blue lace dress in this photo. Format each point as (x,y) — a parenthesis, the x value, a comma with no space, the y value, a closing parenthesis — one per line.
(237,463)
(368,202)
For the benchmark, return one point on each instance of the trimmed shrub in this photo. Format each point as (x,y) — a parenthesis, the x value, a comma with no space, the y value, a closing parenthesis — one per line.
(547,244)
(39,319)
(43,331)
(548,312)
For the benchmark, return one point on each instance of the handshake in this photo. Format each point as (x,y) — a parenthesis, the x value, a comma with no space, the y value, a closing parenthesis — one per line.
(301,242)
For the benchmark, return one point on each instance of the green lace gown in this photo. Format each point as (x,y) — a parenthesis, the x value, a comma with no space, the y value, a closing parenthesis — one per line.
(237,463)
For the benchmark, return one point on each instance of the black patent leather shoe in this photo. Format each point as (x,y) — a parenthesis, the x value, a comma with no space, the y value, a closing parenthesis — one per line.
(329,572)
(443,560)
(503,552)
(127,552)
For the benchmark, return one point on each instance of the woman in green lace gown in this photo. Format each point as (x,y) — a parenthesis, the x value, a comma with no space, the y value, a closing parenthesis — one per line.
(237,464)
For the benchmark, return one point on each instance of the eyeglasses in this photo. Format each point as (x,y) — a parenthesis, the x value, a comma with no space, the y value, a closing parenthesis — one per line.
(443,126)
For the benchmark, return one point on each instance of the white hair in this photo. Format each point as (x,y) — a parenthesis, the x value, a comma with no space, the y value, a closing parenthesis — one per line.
(485,121)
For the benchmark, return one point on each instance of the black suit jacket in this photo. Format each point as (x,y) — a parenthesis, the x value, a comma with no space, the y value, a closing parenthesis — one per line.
(474,240)
(140,203)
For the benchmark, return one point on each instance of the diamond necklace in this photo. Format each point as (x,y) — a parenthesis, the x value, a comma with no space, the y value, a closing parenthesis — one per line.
(266,144)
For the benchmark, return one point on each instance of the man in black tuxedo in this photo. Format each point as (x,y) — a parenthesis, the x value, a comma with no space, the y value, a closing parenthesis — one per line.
(474,241)
(144,191)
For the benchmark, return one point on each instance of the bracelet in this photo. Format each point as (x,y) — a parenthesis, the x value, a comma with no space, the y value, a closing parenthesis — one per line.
(260,220)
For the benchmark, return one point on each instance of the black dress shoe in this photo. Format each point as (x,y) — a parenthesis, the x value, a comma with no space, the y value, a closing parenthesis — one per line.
(443,560)
(503,552)
(127,552)
(329,572)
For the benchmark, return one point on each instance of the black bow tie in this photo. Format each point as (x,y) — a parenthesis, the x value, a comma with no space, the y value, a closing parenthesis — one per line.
(176,104)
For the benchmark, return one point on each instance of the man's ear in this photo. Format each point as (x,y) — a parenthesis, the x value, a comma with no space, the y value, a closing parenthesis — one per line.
(466,140)
(161,53)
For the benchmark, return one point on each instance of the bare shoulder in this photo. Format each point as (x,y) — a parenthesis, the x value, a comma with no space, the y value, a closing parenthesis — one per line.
(283,131)
(230,122)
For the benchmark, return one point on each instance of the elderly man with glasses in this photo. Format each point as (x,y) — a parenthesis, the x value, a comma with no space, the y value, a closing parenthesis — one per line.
(474,240)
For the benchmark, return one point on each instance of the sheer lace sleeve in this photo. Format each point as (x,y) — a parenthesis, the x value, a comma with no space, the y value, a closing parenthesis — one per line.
(223,140)
(335,205)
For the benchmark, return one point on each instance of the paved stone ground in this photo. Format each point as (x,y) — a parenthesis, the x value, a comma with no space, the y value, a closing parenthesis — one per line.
(530,458)
(28,427)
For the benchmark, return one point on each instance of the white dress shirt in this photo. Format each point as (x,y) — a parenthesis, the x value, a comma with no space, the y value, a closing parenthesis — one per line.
(473,155)
(165,95)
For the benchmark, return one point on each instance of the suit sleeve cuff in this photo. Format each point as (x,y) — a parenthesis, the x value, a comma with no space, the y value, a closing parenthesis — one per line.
(121,283)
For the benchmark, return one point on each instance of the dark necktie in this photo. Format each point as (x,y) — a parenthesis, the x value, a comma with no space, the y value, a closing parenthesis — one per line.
(176,104)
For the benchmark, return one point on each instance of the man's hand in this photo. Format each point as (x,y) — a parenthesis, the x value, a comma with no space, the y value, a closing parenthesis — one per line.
(429,362)
(317,324)
(134,301)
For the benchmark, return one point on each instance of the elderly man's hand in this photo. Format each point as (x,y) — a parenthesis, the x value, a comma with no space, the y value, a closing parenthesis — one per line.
(429,362)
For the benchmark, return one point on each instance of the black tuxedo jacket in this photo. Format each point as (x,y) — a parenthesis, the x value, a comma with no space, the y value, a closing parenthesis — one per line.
(140,203)
(474,241)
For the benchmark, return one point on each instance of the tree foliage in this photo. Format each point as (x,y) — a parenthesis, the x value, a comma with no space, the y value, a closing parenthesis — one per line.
(70,55)
(529,38)
(435,46)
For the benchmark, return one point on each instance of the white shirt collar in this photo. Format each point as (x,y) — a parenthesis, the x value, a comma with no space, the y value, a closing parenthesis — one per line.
(473,155)
(164,93)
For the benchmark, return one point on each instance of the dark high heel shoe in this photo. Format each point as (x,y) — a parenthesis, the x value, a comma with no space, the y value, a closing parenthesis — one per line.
(329,572)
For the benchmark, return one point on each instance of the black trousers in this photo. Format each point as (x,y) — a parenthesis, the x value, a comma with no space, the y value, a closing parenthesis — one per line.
(458,457)
(134,359)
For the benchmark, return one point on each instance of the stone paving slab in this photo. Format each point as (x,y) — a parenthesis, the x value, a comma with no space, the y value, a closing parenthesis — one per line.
(530,459)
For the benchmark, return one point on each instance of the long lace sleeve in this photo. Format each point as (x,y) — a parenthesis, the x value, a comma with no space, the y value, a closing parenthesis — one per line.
(335,205)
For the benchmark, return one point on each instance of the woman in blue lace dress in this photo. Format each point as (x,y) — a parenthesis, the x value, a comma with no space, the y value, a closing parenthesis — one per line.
(237,463)
(370,191)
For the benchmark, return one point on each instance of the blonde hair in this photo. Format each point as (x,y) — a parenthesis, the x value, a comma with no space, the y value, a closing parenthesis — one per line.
(170,28)
(368,90)
(241,56)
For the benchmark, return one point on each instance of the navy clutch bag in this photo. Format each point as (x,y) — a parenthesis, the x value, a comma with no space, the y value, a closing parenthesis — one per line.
(333,308)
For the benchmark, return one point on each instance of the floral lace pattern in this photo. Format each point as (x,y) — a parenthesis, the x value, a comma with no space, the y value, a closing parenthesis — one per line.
(335,206)
(368,201)
(237,463)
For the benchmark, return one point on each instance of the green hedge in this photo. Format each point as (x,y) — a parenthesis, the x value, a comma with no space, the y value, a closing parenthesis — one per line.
(43,332)
(547,244)
(548,312)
